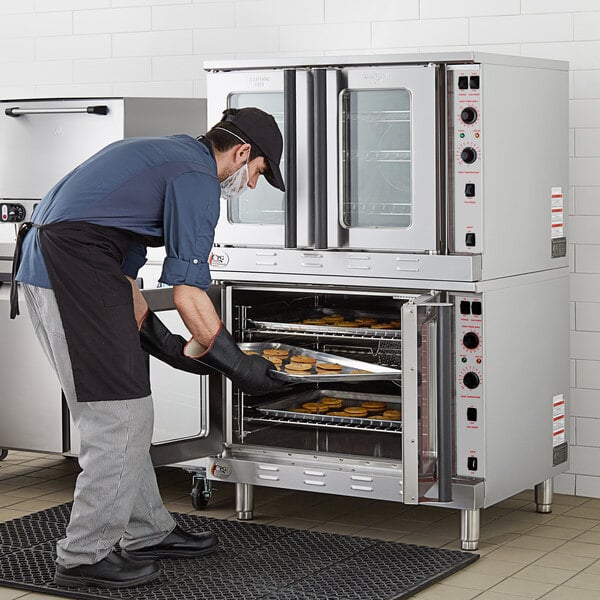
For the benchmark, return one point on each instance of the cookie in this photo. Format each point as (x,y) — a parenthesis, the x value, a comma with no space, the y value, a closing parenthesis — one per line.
(315,407)
(329,366)
(374,405)
(275,352)
(301,358)
(331,402)
(356,411)
(391,415)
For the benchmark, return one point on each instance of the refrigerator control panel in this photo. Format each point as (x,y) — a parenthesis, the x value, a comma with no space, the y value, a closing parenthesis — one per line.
(468,385)
(466,136)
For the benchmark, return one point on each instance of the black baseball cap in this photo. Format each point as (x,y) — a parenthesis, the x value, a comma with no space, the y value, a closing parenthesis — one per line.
(261,131)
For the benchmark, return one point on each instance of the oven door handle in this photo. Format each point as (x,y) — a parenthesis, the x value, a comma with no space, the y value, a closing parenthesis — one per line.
(444,403)
(320,158)
(15,111)
(291,174)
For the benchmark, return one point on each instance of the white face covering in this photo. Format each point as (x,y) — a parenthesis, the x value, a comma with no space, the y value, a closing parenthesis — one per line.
(235,184)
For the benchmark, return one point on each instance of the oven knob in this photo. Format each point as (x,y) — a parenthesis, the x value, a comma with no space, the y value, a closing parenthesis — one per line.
(469,155)
(471,380)
(471,340)
(468,115)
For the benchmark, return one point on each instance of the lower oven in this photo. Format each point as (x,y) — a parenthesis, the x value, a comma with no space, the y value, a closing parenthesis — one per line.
(481,391)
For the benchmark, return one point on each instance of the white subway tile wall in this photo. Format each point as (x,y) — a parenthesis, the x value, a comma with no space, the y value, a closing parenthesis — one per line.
(157,47)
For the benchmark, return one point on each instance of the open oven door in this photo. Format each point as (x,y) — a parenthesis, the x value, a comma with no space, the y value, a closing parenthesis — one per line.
(188,410)
(427,399)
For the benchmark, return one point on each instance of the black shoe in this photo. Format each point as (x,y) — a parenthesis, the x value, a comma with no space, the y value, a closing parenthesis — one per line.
(113,571)
(178,544)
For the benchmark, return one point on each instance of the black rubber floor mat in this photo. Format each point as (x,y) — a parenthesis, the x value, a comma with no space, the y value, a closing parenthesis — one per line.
(254,562)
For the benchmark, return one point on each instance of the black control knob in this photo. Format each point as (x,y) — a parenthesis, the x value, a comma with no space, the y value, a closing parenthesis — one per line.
(468,115)
(471,380)
(469,155)
(471,340)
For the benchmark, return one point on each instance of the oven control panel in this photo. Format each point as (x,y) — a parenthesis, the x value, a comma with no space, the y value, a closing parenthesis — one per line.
(469,381)
(12,213)
(466,136)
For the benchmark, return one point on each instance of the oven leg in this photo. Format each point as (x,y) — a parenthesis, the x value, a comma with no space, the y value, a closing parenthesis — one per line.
(244,501)
(469,529)
(544,493)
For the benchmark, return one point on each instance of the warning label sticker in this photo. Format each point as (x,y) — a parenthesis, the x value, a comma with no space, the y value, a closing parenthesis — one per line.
(557,208)
(558,420)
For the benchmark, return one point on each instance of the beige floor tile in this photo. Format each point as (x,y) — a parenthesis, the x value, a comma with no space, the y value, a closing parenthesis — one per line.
(421,539)
(579,549)
(558,533)
(499,596)
(586,581)
(593,568)
(569,500)
(30,506)
(516,555)
(487,566)
(544,574)
(593,512)
(573,523)
(473,581)
(294,523)
(12,594)
(588,537)
(441,591)
(7,514)
(523,587)
(379,534)
(337,528)
(567,593)
(562,561)
(531,542)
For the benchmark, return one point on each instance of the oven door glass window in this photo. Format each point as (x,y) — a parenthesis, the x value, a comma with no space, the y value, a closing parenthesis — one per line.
(376,188)
(265,204)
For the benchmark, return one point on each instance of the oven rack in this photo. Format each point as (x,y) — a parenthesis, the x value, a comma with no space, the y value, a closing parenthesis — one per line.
(395,428)
(324,331)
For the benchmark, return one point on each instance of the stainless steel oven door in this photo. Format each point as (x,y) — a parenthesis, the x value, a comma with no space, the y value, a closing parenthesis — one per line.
(382,179)
(427,399)
(261,217)
(188,415)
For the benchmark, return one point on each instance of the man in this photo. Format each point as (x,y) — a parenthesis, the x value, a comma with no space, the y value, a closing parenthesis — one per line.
(77,264)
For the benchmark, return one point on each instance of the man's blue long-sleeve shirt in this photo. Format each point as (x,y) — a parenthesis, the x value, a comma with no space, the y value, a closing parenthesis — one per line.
(164,187)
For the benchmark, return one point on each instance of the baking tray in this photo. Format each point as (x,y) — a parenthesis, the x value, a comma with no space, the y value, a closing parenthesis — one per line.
(293,322)
(374,372)
(281,408)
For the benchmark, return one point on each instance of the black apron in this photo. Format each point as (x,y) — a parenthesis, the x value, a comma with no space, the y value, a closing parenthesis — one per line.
(95,302)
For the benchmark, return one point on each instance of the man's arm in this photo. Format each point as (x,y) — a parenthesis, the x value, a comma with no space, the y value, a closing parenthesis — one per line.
(198,313)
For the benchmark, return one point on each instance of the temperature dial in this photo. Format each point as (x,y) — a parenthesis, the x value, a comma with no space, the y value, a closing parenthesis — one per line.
(471,340)
(468,115)
(471,380)
(469,155)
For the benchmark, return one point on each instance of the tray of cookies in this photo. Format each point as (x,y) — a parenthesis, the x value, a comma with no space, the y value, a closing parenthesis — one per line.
(339,407)
(300,364)
(332,321)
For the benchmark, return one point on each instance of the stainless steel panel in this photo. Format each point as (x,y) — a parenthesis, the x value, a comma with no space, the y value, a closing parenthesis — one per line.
(31,405)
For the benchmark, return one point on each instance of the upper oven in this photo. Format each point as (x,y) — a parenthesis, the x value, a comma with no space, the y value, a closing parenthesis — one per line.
(360,158)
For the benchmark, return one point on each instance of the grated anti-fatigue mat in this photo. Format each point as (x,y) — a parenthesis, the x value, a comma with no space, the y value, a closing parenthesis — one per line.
(254,562)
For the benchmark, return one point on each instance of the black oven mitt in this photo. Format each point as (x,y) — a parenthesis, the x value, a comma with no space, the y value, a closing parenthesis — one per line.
(249,372)
(157,340)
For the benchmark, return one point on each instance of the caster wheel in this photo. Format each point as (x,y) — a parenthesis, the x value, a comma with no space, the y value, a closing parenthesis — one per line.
(201,493)
(3,453)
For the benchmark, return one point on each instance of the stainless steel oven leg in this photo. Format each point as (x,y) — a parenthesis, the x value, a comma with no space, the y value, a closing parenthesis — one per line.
(469,529)
(544,493)
(244,501)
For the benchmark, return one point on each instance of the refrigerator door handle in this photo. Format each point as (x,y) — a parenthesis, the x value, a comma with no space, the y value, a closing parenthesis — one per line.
(320,158)
(291,179)
(92,110)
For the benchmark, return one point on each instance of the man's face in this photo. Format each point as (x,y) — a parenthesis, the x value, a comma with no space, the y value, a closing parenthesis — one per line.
(237,159)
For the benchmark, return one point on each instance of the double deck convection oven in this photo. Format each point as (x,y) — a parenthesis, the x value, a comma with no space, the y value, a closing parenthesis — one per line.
(425,211)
